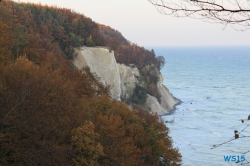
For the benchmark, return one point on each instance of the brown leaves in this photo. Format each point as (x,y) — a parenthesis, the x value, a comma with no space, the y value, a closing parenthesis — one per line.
(134,54)
(247,119)
(51,114)
(38,109)
(86,149)
(5,42)
(236,134)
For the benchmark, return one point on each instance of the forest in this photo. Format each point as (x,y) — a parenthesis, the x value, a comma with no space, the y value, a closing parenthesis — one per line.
(54,114)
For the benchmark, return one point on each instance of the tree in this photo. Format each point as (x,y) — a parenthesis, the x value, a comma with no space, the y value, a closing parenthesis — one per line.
(233,12)
(89,41)
(160,62)
(53,114)
(21,39)
(140,95)
(87,150)
(5,42)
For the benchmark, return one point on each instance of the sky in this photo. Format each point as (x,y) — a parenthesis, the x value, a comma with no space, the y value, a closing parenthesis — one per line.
(141,23)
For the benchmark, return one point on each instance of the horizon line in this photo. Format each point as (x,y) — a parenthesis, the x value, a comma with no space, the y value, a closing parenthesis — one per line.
(197,46)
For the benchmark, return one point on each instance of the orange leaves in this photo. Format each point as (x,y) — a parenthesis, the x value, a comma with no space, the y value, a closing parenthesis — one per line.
(129,138)
(5,42)
(110,125)
(4,38)
(119,146)
(51,114)
(86,149)
(133,54)
(55,111)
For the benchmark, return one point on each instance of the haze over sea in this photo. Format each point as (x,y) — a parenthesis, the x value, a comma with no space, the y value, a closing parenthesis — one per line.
(213,84)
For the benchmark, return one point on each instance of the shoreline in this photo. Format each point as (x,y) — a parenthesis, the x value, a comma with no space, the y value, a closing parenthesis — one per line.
(174,108)
(175,105)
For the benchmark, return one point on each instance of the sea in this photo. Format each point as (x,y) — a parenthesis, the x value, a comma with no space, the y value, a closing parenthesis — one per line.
(213,84)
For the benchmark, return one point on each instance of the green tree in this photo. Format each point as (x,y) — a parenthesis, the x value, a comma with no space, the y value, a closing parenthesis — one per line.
(139,95)
(160,62)
(21,40)
(90,42)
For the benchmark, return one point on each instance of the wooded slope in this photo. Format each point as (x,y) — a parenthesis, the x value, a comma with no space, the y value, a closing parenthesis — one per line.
(53,114)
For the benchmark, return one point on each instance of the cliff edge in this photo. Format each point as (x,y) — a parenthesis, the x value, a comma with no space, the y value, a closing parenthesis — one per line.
(102,62)
(123,79)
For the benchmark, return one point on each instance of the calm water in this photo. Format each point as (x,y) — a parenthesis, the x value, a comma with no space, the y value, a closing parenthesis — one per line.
(214,85)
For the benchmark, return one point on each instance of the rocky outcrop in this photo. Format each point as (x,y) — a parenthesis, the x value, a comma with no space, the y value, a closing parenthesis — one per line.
(129,78)
(102,62)
(155,106)
(122,78)
(167,100)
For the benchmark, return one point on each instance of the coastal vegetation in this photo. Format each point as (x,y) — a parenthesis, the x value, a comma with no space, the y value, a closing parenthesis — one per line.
(65,30)
(54,114)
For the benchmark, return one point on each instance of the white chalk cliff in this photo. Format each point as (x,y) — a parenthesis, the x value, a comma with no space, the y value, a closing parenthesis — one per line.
(167,100)
(122,78)
(128,76)
(102,62)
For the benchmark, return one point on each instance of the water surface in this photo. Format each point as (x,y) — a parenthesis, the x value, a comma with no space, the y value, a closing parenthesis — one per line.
(214,85)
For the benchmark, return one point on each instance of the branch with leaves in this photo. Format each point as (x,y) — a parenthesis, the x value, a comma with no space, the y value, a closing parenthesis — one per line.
(237,135)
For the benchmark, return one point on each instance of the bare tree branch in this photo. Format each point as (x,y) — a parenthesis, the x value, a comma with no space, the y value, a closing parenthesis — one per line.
(233,12)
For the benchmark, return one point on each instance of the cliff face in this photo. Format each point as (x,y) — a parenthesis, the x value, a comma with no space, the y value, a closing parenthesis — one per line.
(102,62)
(167,100)
(128,76)
(122,78)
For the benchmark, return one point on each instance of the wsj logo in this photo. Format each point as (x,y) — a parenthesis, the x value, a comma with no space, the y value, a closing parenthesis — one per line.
(235,158)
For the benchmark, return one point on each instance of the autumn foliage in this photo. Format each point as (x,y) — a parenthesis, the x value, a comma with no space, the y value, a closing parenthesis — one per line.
(54,114)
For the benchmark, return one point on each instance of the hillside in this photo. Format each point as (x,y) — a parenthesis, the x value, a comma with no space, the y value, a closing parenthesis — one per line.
(54,114)
(129,84)
(114,37)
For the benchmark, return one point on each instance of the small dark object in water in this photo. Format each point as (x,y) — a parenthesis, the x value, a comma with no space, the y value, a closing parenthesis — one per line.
(169,121)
